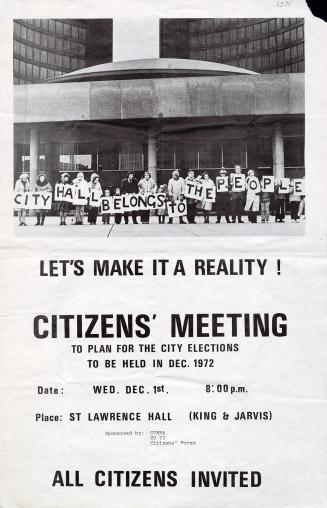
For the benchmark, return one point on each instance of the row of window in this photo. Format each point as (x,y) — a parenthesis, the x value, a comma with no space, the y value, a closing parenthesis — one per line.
(276,58)
(68,29)
(47,41)
(252,26)
(173,154)
(36,72)
(224,38)
(53,59)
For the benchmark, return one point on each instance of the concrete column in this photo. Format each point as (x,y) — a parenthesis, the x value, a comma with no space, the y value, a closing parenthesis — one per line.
(278,151)
(34,155)
(152,157)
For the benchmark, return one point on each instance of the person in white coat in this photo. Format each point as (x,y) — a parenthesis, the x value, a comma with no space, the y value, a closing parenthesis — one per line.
(81,197)
(176,189)
(206,205)
(252,196)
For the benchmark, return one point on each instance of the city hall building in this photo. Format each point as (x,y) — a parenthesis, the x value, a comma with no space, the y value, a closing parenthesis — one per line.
(179,103)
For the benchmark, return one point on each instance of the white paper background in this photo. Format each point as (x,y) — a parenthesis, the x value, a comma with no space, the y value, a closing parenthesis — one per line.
(284,375)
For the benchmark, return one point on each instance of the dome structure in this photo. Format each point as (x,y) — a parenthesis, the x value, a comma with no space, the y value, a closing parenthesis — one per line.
(150,68)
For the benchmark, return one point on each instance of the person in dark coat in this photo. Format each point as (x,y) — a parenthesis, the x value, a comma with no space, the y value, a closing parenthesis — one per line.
(223,201)
(129,185)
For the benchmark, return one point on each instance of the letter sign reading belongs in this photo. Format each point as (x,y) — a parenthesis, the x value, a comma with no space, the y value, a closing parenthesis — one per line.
(238,182)
(177,209)
(267,184)
(222,183)
(299,186)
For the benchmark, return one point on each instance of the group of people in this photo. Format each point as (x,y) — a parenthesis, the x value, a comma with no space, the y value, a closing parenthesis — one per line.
(231,203)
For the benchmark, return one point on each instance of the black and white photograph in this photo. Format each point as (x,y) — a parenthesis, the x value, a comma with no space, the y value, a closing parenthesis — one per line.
(159,127)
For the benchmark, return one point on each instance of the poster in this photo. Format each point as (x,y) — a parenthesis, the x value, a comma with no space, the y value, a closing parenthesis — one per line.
(155,356)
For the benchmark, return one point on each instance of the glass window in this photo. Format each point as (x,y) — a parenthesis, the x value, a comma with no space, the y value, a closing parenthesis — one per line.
(59,27)
(279,23)
(264,28)
(263,148)
(250,64)
(37,22)
(36,72)
(22,49)
(294,67)
(45,24)
(218,53)
(37,38)
(301,66)
(265,61)
(17,29)
(287,37)
(249,47)
(241,34)
(300,32)
(225,37)
(287,54)
(226,52)
(81,34)
(50,73)
(30,35)
(44,57)
(74,32)
(257,30)
(16,47)
(58,60)
(272,59)
(249,32)
(74,63)
(272,42)
(51,58)
(22,67)
(59,44)
(81,63)
(23,32)
(241,49)
(294,52)
(80,49)
(234,152)
(280,40)
(264,44)
(51,42)
(293,35)
(233,35)
(280,56)
(52,25)
(66,62)
(218,38)
(29,52)
(16,65)
(36,55)
(165,154)
(29,70)
(300,50)
(44,40)
(257,62)
(43,73)
(66,45)
(234,50)
(294,151)
(257,46)
(286,22)
(67,29)
(272,25)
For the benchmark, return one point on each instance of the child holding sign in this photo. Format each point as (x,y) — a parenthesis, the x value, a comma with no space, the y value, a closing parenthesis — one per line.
(106,216)
(22,185)
(41,185)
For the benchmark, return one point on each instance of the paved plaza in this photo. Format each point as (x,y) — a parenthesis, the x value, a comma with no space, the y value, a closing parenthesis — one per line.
(52,228)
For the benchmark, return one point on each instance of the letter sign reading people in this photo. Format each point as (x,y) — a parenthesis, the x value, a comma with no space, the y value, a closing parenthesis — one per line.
(267,183)
(222,183)
(299,186)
